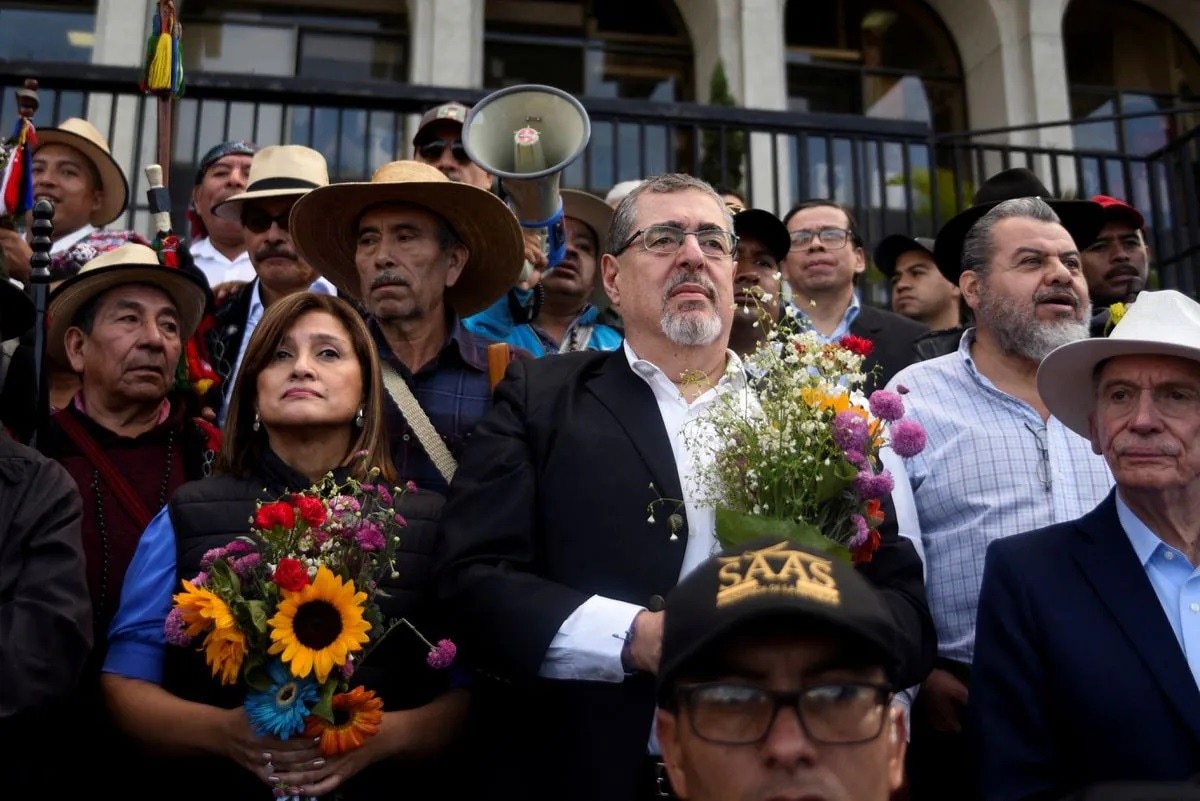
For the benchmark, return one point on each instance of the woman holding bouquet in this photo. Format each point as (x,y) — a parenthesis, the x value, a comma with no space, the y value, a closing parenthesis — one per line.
(307,404)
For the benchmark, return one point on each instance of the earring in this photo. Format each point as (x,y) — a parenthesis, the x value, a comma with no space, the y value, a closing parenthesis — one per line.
(257,423)
(358,418)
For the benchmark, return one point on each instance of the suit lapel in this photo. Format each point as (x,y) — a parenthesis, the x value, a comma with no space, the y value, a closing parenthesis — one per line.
(635,409)
(1112,568)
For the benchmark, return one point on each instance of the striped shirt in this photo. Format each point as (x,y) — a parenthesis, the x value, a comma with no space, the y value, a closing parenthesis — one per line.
(991,467)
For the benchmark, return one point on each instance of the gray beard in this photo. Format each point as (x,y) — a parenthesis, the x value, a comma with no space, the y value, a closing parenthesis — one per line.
(691,330)
(1022,334)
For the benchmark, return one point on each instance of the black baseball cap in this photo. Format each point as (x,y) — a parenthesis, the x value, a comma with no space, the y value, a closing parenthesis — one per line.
(766,228)
(771,579)
(891,248)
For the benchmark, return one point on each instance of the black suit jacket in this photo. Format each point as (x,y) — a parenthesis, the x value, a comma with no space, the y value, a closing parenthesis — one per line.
(895,343)
(224,340)
(549,507)
(1078,677)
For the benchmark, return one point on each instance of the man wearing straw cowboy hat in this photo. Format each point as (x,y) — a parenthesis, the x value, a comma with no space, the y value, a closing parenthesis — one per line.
(73,168)
(421,253)
(279,176)
(1088,641)
(568,317)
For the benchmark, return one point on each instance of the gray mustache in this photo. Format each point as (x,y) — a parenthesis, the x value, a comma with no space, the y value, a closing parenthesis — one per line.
(389,278)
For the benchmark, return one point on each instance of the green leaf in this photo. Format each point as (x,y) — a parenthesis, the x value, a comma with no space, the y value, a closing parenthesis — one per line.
(258,615)
(735,528)
(324,706)
(834,478)
(255,674)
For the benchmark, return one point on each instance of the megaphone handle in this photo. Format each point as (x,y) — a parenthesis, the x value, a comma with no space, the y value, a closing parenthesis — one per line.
(554,238)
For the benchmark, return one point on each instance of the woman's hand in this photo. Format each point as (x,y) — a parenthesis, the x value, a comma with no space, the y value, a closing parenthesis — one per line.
(270,759)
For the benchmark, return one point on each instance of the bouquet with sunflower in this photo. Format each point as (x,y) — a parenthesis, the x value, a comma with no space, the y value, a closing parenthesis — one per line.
(292,608)
(799,450)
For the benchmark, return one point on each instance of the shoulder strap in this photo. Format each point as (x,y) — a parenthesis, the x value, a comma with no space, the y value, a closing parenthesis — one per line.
(427,435)
(108,471)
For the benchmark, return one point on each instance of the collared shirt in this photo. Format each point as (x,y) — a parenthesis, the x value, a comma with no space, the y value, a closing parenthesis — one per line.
(843,326)
(585,332)
(216,267)
(70,239)
(253,315)
(588,644)
(453,390)
(991,467)
(1175,582)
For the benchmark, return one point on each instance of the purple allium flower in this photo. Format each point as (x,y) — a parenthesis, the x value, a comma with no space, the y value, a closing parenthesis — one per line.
(238,548)
(860,531)
(870,486)
(442,655)
(200,579)
(886,405)
(244,566)
(384,495)
(411,486)
(857,459)
(369,537)
(908,438)
(850,432)
(175,630)
(210,556)
(399,518)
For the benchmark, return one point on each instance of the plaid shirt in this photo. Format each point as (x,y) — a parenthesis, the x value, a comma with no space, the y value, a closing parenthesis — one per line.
(991,467)
(454,391)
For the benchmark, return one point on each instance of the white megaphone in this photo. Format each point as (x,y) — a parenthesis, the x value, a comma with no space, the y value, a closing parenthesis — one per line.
(527,135)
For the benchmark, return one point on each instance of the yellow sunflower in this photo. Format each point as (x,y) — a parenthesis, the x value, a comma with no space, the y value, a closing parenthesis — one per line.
(357,715)
(317,627)
(224,650)
(201,608)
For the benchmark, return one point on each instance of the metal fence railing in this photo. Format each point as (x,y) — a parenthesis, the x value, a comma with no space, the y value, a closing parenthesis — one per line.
(896,175)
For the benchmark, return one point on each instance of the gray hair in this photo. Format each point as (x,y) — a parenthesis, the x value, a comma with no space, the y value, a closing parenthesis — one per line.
(623,219)
(978,247)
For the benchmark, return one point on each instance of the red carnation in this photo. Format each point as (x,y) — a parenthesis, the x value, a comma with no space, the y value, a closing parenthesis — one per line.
(291,575)
(275,514)
(858,345)
(865,552)
(311,509)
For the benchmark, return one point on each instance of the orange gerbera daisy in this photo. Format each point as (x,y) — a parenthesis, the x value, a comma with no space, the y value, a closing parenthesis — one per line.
(202,609)
(224,650)
(317,627)
(356,716)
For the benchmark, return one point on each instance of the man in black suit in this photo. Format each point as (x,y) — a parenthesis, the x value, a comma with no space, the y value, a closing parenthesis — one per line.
(573,513)
(822,267)
(1087,655)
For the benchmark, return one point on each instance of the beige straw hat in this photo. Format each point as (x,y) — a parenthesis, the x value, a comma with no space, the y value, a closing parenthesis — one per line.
(278,171)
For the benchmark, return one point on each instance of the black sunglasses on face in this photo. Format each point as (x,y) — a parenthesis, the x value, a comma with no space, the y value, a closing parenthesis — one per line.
(433,150)
(258,221)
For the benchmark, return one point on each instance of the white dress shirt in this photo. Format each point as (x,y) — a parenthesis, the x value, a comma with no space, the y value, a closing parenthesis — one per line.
(218,269)
(70,239)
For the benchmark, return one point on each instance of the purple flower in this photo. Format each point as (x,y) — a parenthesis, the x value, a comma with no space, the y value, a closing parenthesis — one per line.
(411,486)
(903,390)
(347,669)
(369,537)
(860,531)
(908,438)
(238,548)
(384,495)
(210,556)
(343,504)
(850,432)
(200,579)
(175,630)
(886,405)
(870,486)
(399,518)
(244,566)
(857,459)
(442,655)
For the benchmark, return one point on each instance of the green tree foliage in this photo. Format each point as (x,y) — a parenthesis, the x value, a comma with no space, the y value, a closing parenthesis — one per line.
(724,149)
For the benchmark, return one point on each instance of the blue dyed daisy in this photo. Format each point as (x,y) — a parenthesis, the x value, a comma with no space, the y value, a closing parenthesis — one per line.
(281,709)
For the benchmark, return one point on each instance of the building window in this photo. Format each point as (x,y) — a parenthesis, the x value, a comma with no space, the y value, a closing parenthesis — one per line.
(1126,59)
(32,32)
(880,58)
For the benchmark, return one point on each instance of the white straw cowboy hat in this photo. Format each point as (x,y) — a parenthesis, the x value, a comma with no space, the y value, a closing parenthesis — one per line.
(83,136)
(128,264)
(597,215)
(278,171)
(1163,323)
(324,222)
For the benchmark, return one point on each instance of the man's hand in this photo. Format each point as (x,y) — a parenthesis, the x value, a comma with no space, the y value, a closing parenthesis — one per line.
(225,290)
(534,258)
(945,698)
(16,254)
(645,649)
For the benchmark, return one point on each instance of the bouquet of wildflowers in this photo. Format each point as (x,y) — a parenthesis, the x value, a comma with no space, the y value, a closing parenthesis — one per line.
(290,610)
(799,449)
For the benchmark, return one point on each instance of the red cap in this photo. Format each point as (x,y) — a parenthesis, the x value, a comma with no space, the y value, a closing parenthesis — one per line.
(1119,209)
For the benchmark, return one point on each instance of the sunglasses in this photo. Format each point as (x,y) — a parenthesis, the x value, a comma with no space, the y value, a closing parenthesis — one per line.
(258,221)
(433,150)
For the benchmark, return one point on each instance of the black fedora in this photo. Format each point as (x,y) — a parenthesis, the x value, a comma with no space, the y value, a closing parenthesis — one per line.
(1083,219)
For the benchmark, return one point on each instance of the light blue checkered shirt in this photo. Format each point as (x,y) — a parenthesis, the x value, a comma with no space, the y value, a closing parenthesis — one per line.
(991,468)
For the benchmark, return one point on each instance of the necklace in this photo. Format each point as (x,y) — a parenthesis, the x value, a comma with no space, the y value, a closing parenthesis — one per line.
(692,377)
(101,611)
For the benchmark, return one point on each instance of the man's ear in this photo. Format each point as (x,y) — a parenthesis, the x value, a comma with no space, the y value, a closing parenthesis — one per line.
(672,752)
(456,260)
(897,746)
(73,341)
(610,269)
(1094,435)
(968,284)
(860,260)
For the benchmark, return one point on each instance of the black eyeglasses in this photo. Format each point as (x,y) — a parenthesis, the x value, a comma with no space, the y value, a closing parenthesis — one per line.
(831,238)
(742,714)
(1044,473)
(433,150)
(258,221)
(713,242)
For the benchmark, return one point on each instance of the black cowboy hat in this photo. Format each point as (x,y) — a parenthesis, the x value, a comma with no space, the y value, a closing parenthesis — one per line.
(1083,219)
